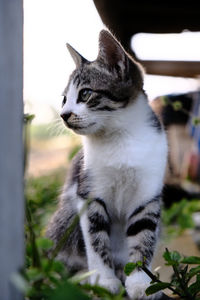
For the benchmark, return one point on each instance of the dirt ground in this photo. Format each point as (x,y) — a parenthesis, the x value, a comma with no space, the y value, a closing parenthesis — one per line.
(45,156)
(183,244)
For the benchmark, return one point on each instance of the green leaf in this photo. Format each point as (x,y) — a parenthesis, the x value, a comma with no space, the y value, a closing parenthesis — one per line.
(191,260)
(34,274)
(58,266)
(28,118)
(129,268)
(172,258)
(74,151)
(195,121)
(185,221)
(180,214)
(177,105)
(67,291)
(194,288)
(140,263)
(194,271)
(44,243)
(156,287)
(46,266)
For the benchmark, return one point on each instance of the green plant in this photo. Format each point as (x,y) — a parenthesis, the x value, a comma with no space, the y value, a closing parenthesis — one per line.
(44,277)
(178,106)
(185,282)
(48,131)
(179,216)
(41,194)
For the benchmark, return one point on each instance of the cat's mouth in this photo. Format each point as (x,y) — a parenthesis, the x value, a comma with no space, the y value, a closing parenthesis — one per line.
(78,127)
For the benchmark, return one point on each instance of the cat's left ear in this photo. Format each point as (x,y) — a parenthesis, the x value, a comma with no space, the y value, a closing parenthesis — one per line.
(111,52)
(78,59)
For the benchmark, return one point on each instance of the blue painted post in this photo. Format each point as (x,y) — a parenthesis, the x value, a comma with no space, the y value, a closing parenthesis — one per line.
(11,146)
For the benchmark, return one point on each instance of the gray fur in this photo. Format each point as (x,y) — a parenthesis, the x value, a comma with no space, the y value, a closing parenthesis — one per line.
(116,81)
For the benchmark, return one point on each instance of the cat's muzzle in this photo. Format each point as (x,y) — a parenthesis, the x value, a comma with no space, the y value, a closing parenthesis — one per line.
(68,119)
(66,116)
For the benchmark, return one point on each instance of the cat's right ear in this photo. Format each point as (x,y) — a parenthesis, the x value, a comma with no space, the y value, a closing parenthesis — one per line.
(111,52)
(78,59)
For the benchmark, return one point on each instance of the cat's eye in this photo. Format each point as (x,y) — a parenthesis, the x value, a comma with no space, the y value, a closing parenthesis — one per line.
(64,100)
(85,95)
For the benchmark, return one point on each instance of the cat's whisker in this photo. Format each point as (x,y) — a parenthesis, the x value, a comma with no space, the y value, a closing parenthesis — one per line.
(55,128)
(57,121)
(58,118)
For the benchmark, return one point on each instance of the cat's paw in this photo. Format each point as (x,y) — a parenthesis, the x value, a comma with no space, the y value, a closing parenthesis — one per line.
(136,284)
(112,284)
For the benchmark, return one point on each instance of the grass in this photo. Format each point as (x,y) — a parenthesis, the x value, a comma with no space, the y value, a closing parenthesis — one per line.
(41,194)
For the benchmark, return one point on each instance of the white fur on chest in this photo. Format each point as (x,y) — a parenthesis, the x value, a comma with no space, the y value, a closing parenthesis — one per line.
(116,187)
(127,168)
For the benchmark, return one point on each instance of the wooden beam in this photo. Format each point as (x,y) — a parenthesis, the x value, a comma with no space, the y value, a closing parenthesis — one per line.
(11,146)
(172,68)
(130,17)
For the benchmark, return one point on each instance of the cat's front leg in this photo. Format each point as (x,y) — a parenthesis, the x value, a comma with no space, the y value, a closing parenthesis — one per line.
(95,224)
(142,233)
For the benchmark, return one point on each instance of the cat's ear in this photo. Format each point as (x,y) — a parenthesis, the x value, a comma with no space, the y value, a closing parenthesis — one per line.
(110,51)
(78,59)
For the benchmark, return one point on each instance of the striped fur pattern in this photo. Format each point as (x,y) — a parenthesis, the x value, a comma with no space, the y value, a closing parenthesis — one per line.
(120,169)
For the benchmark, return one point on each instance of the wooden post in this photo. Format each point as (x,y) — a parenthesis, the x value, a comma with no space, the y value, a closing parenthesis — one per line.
(11,146)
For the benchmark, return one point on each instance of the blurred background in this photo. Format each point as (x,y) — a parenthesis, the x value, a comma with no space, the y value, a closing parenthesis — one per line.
(50,24)
(165,38)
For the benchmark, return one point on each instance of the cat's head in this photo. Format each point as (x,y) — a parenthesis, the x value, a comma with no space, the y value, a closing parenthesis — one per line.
(100,89)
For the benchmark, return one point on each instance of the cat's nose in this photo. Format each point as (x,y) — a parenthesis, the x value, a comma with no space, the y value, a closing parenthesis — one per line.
(66,116)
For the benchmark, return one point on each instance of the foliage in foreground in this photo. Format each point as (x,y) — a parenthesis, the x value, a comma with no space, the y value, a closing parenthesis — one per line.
(178,217)
(46,278)
(185,282)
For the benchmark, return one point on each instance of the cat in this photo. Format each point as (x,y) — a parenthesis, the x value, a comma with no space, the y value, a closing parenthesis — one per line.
(120,169)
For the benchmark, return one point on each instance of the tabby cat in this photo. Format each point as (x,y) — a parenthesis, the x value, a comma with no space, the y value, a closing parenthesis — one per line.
(120,169)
